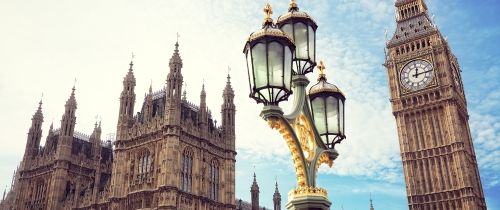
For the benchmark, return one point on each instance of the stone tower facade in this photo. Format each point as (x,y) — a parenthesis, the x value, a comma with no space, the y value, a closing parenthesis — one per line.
(430,108)
(71,170)
(172,154)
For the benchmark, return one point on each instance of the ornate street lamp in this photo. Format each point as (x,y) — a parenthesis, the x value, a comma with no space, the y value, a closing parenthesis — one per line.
(302,28)
(310,133)
(269,62)
(327,106)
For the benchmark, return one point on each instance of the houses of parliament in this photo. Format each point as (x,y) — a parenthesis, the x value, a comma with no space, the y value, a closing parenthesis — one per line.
(170,154)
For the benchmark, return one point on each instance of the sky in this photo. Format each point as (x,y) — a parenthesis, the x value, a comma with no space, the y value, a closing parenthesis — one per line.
(45,45)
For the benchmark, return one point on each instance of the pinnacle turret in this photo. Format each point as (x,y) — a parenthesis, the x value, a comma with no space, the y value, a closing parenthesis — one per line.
(71,102)
(228,90)
(130,78)
(184,93)
(38,114)
(254,190)
(173,90)
(68,119)
(127,102)
(203,96)
(34,135)
(176,60)
(277,197)
(371,203)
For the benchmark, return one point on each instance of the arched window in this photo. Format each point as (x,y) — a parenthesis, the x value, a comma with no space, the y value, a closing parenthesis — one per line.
(144,164)
(213,180)
(187,170)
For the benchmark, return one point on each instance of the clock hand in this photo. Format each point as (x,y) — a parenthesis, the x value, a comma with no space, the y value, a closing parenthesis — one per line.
(417,73)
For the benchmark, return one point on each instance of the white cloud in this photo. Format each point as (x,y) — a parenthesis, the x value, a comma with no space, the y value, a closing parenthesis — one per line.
(485,129)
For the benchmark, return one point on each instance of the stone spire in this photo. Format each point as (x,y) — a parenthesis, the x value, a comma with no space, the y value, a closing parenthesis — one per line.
(68,119)
(71,102)
(4,192)
(68,122)
(277,197)
(34,134)
(176,58)
(228,112)
(254,190)
(173,90)
(184,93)
(38,114)
(127,102)
(203,114)
(203,94)
(130,78)
(96,134)
(228,95)
(371,203)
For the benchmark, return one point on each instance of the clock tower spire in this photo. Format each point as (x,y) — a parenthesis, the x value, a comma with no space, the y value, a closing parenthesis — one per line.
(430,108)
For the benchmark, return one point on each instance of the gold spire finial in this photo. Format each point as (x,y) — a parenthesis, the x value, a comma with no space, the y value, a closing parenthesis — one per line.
(321,67)
(268,10)
(292,5)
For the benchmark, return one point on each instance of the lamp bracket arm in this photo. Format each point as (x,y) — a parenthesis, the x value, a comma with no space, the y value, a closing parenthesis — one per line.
(312,167)
(285,128)
(299,83)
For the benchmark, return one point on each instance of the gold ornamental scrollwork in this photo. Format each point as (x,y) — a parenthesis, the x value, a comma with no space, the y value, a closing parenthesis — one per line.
(307,191)
(305,134)
(324,158)
(280,125)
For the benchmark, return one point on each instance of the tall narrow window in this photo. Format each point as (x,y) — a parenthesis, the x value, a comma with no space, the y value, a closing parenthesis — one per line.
(213,180)
(144,164)
(187,170)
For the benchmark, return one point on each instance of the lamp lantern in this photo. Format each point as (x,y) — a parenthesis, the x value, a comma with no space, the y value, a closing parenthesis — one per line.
(327,108)
(302,28)
(269,53)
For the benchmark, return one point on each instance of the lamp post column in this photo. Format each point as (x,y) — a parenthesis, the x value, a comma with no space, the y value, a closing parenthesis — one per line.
(278,56)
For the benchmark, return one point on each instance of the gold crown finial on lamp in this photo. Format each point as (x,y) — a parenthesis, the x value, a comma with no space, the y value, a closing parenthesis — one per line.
(268,10)
(321,68)
(293,4)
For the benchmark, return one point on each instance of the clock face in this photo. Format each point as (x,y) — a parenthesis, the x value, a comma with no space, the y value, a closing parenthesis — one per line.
(417,74)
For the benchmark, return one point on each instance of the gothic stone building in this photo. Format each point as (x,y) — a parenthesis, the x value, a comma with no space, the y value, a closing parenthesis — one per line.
(430,108)
(169,155)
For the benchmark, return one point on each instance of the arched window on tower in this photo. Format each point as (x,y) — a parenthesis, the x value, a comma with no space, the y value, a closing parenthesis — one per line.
(213,180)
(144,165)
(187,170)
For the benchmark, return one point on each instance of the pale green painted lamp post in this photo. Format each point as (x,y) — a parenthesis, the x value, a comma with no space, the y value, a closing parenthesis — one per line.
(278,58)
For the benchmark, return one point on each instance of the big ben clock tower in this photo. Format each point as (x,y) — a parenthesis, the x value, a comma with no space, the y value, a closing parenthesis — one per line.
(430,108)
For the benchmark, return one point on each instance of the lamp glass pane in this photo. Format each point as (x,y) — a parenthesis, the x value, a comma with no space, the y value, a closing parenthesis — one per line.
(288,67)
(250,72)
(301,40)
(312,46)
(341,115)
(275,60)
(332,115)
(287,28)
(259,65)
(318,107)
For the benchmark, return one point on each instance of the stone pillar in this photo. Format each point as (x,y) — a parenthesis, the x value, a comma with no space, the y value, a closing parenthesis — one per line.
(309,202)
